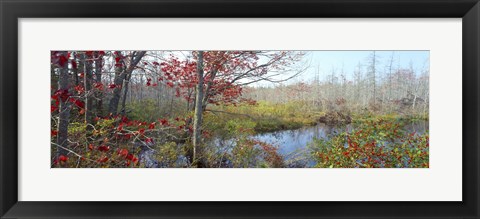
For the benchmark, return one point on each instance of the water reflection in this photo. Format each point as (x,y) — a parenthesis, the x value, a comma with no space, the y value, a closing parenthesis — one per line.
(292,144)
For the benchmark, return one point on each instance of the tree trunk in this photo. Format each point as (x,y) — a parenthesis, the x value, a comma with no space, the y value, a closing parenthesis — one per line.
(75,69)
(98,76)
(120,76)
(207,89)
(118,81)
(197,123)
(64,112)
(125,92)
(87,80)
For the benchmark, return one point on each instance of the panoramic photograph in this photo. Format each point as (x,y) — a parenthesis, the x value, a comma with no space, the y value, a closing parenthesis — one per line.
(240,109)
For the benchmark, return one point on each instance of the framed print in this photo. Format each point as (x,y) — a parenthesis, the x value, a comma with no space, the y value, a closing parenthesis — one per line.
(239,109)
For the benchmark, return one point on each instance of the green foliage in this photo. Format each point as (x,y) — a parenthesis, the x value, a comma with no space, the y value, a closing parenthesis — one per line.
(376,142)
(144,110)
(244,153)
(149,110)
(267,117)
(168,153)
(240,127)
(248,153)
(103,127)
(76,128)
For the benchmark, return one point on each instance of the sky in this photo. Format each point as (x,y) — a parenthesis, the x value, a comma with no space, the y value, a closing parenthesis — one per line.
(321,63)
(324,61)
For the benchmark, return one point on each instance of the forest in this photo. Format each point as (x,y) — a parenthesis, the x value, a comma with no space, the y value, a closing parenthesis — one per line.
(239,109)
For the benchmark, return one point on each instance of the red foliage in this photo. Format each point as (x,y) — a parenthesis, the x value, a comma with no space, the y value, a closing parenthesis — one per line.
(80,89)
(53,108)
(74,64)
(103,148)
(223,71)
(123,152)
(163,121)
(63,158)
(89,53)
(149,140)
(80,104)
(118,61)
(103,159)
(61,95)
(132,158)
(98,85)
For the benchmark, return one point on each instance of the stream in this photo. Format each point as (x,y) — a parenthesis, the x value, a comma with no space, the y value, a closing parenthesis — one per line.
(292,144)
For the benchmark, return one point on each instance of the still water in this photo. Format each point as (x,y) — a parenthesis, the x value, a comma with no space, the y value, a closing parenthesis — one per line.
(292,144)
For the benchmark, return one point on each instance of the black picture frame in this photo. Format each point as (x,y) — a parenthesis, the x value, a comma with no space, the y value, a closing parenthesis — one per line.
(12,10)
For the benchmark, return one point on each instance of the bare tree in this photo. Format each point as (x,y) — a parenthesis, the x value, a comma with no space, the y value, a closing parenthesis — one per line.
(197,122)
(87,80)
(121,74)
(64,112)
(98,80)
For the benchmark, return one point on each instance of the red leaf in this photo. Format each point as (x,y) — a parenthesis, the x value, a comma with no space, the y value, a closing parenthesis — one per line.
(149,140)
(123,152)
(80,89)
(103,159)
(98,85)
(89,53)
(164,121)
(61,94)
(53,108)
(132,158)
(62,60)
(63,158)
(74,64)
(104,148)
(80,104)
(54,133)
(152,125)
